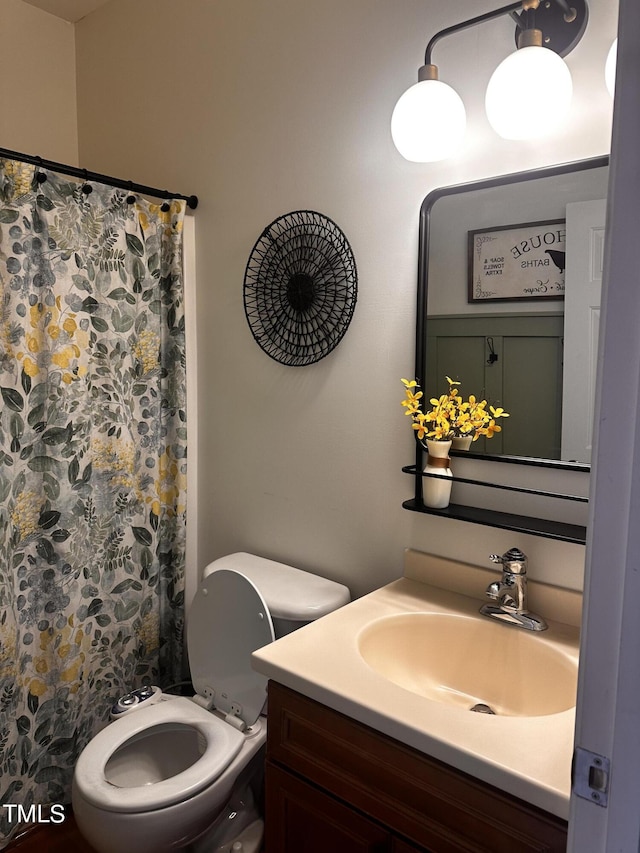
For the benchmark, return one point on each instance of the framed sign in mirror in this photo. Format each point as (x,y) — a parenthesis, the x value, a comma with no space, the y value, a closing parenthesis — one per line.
(525,261)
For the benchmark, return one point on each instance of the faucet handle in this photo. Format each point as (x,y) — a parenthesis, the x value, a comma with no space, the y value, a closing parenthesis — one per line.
(514,561)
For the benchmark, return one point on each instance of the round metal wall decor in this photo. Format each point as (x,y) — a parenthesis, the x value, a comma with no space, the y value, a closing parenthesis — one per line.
(300,288)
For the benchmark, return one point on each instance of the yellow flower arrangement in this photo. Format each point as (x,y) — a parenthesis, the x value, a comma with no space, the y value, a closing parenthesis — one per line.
(451,415)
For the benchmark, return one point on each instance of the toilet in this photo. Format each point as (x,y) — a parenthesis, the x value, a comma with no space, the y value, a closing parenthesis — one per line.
(161,776)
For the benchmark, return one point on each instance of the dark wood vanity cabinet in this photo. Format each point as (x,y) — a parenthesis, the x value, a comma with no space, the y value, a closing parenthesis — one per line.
(334,785)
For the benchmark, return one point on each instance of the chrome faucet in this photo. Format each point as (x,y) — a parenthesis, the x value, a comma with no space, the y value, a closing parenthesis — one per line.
(510,593)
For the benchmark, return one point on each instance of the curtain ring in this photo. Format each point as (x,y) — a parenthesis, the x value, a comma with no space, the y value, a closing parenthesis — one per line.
(131,197)
(87,189)
(40,175)
(165,207)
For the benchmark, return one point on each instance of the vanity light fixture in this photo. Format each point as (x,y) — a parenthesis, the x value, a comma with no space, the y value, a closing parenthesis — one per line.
(528,95)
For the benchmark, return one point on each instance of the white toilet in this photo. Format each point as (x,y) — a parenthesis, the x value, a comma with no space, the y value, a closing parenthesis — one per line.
(159,777)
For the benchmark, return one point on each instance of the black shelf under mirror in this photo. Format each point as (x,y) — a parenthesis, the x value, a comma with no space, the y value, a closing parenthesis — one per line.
(507,521)
(560,530)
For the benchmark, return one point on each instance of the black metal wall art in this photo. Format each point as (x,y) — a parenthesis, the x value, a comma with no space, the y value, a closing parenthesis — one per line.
(300,288)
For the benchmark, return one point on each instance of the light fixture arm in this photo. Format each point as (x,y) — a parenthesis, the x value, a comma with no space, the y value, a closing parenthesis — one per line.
(569,12)
(551,17)
(465,25)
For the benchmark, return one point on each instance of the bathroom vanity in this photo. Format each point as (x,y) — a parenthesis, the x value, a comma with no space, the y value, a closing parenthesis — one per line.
(342,786)
(372,743)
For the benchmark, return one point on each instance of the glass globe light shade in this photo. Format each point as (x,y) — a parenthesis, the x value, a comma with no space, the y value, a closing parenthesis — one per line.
(428,122)
(610,67)
(529,94)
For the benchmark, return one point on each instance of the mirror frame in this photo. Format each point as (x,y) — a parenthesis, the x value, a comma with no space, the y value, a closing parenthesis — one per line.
(423,283)
(477,514)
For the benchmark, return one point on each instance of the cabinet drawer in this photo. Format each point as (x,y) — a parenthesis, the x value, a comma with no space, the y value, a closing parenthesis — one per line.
(420,798)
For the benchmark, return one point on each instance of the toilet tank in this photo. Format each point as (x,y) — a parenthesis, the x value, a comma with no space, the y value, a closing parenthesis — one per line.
(294,597)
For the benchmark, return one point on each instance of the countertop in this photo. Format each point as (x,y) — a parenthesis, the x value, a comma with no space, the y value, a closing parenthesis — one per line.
(529,757)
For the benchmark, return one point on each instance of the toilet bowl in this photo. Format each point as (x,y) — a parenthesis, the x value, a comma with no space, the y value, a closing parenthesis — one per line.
(157,778)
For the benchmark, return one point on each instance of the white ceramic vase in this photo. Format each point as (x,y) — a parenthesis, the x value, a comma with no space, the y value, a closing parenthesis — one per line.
(461,442)
(437,490)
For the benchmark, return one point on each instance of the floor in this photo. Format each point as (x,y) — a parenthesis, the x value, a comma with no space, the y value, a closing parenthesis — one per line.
(55,838)
(59,838)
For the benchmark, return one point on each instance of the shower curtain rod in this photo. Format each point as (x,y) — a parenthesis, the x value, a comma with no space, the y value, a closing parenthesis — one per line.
(74,171)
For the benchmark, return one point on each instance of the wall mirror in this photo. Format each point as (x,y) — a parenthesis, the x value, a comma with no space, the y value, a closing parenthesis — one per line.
(508,304)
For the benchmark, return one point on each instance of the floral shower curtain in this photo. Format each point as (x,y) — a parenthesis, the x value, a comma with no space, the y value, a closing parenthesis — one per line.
(92,466)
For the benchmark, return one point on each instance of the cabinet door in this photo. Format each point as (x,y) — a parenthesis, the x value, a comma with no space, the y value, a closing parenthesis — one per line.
(301,819)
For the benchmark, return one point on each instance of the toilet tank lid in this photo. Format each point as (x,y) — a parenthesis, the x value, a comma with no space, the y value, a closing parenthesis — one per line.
(288,592)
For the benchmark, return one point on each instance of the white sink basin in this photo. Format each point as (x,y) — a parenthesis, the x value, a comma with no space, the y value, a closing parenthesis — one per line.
(465,661)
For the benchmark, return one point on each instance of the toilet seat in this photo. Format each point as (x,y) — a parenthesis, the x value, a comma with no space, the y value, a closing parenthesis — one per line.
(221,742)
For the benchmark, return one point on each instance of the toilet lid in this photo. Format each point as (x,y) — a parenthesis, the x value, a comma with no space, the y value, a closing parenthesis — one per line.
(228,620)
